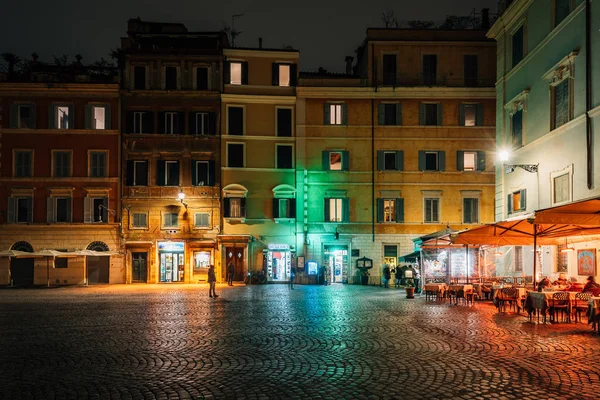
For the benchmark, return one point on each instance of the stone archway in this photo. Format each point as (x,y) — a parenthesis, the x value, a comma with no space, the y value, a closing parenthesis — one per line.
(98,267)
(98,246)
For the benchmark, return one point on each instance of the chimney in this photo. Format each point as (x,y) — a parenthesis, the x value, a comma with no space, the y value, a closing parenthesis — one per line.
(349,60)
(260,43)
(485,18)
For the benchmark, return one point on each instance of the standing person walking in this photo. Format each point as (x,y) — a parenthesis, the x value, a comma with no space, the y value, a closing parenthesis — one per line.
(212,281)
(292,277)
(230,270)
(387,275)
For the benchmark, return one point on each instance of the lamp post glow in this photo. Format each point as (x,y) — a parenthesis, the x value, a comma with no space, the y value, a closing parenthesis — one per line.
(181,197)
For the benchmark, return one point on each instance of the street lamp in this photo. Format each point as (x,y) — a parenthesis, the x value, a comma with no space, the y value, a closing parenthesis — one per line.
(508,168)
(181,197)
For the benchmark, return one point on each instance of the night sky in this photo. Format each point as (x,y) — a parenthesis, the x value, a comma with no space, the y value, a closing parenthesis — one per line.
(325,31)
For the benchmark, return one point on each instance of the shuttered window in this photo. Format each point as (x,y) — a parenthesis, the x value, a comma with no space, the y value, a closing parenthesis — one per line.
(202,220)
(561,103)
(23,164)
(62,164)
(516,129)
(470,210)
(431,211)
(518,46)
(140,220)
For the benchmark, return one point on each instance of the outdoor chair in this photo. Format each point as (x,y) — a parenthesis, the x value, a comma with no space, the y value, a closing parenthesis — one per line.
(508,296)
(431,294)
(581,305)
(560,303)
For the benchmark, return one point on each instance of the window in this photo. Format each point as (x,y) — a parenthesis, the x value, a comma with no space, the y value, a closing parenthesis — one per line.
(137,173)
(202,78)
(517,201)
(562,8)
(471,70)
(335,210)
(62,164)
(337,160)
(26,117)
(518,46)
(61,262)
(23,163)
(518,258)
(561,103)
(236,71)
(390,160)
(562,258)
(285,156)
(203,123)
(139,77)
(235,155)
(170,78)
(470,115)
(95,209)
(171,123)
(333,114)
(429,69)
(470,211)
(170,220)
(168,173)
(284,75)
(98,164)
(63,117)
(140,122)
(202,220)
(203,173)
(20,209)
(432,211)
(62,209)
(516,129)
(470,160)
(390,114)
(98,118)
(432,160)
(234,207)
(390,210)
(284,122)
(561,188)
(430,114)
(284,208)
(139,220)
(389,69)
(235,120)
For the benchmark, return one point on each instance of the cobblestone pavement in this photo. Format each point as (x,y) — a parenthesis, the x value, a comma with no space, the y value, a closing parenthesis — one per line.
(267,341)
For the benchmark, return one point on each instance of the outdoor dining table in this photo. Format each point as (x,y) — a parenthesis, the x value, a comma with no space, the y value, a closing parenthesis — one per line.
(439,288)
(540,301)
(521,296)
(594,313)
(467,289)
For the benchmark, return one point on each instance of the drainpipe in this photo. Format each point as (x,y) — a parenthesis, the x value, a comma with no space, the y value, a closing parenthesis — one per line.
(373,77)
(588,96)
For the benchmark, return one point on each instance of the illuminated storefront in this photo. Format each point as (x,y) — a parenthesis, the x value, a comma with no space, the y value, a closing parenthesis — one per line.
(278,262)
(336,262)
(171,261)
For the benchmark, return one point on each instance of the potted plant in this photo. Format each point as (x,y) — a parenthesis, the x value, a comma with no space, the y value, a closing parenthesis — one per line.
(410,288)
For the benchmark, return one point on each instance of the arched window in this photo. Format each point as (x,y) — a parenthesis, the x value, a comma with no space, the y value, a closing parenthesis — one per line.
(98,246)
(22,246)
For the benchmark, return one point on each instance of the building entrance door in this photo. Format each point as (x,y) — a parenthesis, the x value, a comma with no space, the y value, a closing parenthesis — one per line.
(139,268)
(236,255)
(336,258)
(21,271)
(97,267)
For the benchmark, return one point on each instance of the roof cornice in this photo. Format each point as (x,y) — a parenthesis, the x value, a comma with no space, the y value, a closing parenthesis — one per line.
(508,17)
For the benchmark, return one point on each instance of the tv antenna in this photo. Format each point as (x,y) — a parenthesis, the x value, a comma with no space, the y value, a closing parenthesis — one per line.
(234,33)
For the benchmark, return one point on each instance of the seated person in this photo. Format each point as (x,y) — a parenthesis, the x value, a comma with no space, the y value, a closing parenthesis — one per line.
(591,284)
(544,283)
(574,287)
(562,280)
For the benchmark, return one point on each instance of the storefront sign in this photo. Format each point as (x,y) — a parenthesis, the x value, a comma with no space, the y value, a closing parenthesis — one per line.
(171,246)
(275,246)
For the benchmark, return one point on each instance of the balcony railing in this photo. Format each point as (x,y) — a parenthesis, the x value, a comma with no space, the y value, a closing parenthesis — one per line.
(444,80)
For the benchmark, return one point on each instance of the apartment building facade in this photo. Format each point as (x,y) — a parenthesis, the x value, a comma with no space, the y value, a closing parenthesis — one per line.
(170,96)
(399,147)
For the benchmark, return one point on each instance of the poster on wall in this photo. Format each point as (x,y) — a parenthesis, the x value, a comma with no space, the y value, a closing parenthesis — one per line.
(586,262)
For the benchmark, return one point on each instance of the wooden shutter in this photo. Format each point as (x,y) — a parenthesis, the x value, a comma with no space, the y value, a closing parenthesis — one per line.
(161,122)
(88,117)
(481,161)
(421,160)
(422,113)
(381,114)
(211,173)
(325,157)
(148,122)
(461,115)
(226,207)
(275,208)
(30,209)
(88,213)
(479,115)
(380,210)
(50,204)
(226,73)
(509,203)
(107,117)
(399,210)
(345,160)
(129,173)
(11,213)
(212,123)
(244,72)
(177,173)
(467,211)
(326,210)
(346,210)
(180,123)
(398,114)
(441,160)
(380,160)
(523,205)
(14,116)
(440,115)
(344,114)
(243,207)
(160,172)
(400,160)
(129,122)
(292,208)
(460,160)
(275,74)
(32,119)
(293,73)
(71,117)
(194,172)
(326,114)
(52,117)
(70,209)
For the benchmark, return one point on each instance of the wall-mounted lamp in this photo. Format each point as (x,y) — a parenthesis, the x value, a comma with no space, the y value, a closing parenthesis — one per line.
(508,168)
(181,197)
(337,234)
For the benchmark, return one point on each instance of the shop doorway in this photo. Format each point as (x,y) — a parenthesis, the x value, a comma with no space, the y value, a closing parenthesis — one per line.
(278,265)
(336,259)
(97,267)
(236,255)
(172,262)
(139,267)
(21,271)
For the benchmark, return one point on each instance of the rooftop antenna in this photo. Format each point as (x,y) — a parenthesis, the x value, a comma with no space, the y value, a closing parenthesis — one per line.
(234,33)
